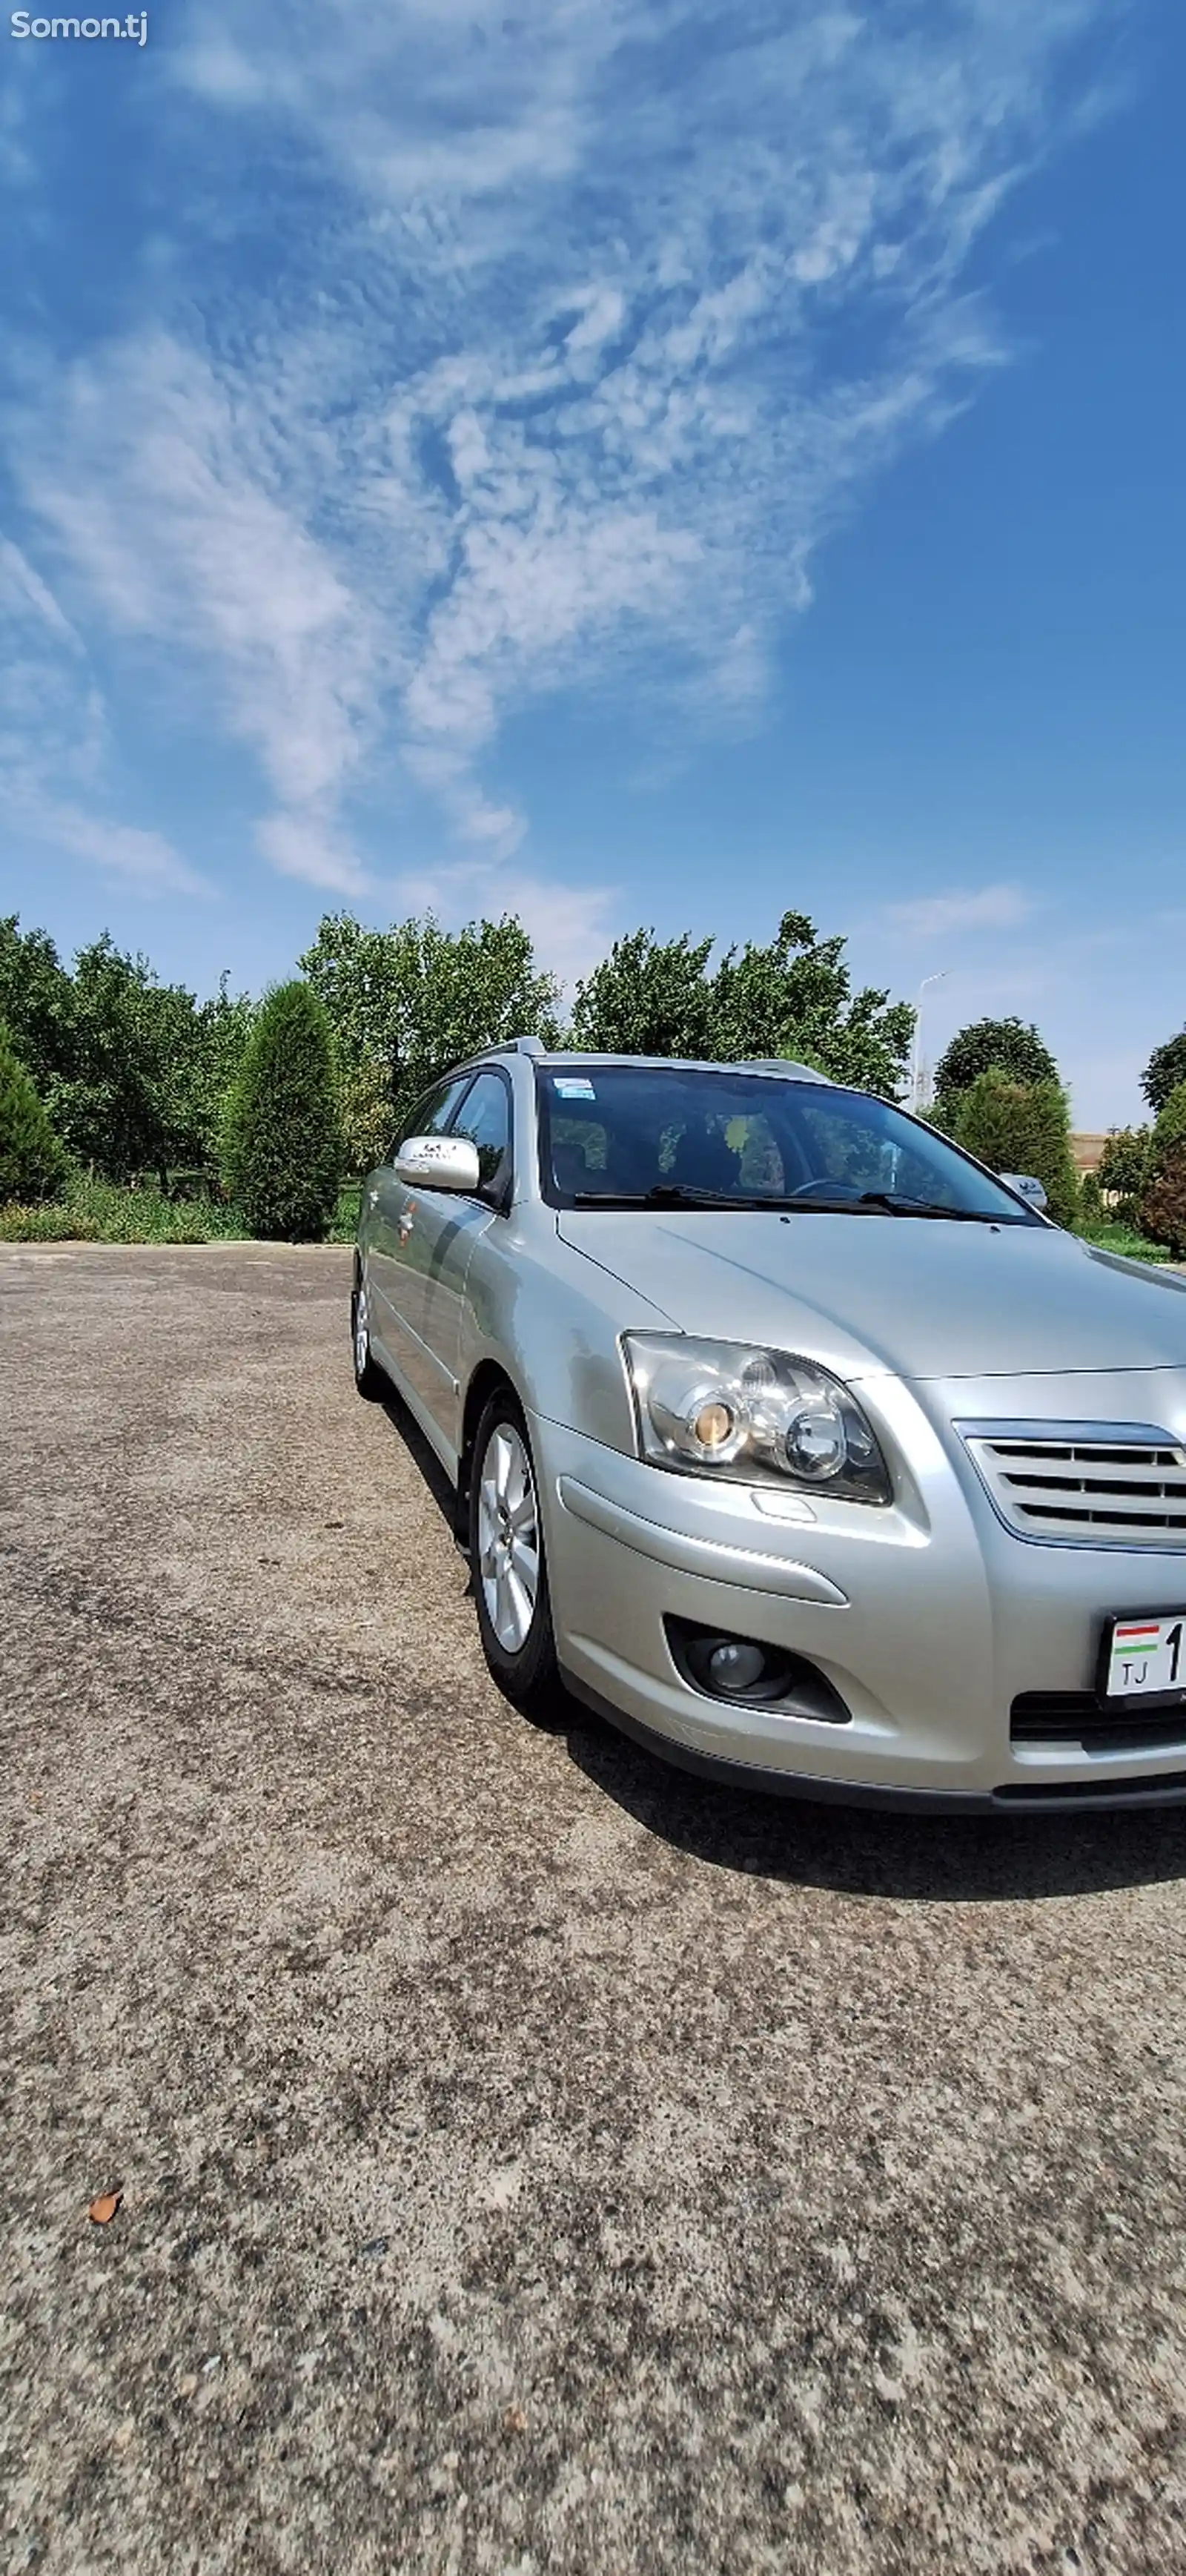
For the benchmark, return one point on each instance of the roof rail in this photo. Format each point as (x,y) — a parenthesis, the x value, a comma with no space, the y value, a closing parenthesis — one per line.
(528,1046)
(783,1064)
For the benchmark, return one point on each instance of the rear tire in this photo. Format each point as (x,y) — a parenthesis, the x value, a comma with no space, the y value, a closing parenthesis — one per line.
(507,1560)
(368,1376)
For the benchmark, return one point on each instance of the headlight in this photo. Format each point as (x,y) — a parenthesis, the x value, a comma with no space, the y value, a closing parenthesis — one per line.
(753,1416)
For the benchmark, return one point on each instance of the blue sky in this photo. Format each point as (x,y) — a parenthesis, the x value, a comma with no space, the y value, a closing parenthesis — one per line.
(615,459)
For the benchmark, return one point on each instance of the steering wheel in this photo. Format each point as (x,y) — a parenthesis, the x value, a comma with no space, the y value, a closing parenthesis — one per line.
(825,1189)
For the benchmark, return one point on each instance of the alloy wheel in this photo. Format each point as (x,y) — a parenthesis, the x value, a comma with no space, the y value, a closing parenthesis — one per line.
(362,1329)
(508,1538)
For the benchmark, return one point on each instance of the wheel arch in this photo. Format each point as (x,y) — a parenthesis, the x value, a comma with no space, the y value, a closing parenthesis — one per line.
(488,1376)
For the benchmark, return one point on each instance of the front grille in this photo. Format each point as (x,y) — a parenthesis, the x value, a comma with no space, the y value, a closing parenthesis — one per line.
(1100,1484)
(1078,1717)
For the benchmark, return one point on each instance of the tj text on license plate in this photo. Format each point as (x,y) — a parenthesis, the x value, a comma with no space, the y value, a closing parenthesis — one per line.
(1146,1657)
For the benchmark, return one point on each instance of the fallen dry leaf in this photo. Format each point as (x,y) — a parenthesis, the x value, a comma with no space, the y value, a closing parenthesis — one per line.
(104,2208)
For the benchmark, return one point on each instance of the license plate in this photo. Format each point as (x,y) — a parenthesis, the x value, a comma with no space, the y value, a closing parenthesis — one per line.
(1145,1658)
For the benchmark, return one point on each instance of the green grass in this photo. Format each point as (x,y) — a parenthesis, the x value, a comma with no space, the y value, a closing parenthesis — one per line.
(98,1212)
(344,1223)
(1121,1238)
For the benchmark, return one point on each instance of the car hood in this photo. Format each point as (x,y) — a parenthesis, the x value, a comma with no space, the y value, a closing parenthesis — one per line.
(912,1296)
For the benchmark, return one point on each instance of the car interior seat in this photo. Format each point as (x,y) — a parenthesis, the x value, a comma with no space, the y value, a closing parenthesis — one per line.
(703,1160)
(570,1170)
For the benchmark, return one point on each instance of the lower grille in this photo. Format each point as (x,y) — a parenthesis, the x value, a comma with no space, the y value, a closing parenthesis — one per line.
(1078,1717)
(1101,1484)
(1162,1788)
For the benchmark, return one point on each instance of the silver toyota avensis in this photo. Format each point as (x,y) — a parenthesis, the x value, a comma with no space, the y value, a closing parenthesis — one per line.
(787,1436)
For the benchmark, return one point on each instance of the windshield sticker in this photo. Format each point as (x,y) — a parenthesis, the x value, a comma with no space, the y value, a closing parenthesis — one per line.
(573,1086)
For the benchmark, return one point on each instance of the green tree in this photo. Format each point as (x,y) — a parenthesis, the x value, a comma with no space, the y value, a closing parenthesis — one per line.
(366,1111)
(1011,1047)
(131,1071)
(283,1143)
(1163,1199)
(128,1104)
(791,998)
(32,1162)
(1022,1127)
(37,1005)
(1166,1068)
(224,1025)
(407,1002)
(1123,1162)
(795,998)
(648,997)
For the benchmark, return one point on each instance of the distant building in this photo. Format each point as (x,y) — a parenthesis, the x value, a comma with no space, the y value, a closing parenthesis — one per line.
(1086,1151)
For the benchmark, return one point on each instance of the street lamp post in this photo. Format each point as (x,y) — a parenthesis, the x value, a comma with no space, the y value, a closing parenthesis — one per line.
(916,1063)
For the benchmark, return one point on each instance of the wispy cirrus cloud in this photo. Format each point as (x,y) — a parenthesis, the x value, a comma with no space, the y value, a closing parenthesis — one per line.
(52,743)
(587,325)
(936,916)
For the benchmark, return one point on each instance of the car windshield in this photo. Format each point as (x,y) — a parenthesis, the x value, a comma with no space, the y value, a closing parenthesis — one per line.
(632,1135)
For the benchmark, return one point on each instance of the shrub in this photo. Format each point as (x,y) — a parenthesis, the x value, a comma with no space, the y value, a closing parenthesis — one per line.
(1163,1200)
(344,1222)
(49,1222)
(1091,1205)
(32,1161)
(1022,1127)
(1123,1162)
(97,1211)
(282,1141)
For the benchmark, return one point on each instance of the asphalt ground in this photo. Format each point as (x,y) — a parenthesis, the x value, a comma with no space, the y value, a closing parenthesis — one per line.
(532,2160)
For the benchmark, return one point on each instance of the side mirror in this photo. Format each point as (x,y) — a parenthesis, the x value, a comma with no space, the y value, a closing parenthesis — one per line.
(439,1163)
(1026,1187)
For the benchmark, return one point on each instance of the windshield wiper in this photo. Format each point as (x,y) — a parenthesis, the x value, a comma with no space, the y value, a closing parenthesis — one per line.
(896,1203)
(899,1204)
(670,1194)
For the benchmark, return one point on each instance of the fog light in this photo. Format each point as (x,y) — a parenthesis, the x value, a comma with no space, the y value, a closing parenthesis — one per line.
(736,1667)
(752,1675)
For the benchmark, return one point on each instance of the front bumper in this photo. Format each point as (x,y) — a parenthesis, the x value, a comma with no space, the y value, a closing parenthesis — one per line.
(928,1618)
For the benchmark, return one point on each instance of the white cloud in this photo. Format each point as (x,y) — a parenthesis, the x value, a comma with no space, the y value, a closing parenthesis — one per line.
(604,313)
(937,916)
(145,860)
(308,847)
(160,505)
(544,388)
(569,925)
(25,597)
(53,744)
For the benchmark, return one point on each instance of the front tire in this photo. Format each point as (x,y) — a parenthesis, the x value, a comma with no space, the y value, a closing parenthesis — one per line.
(507,1560)
(368,1376)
